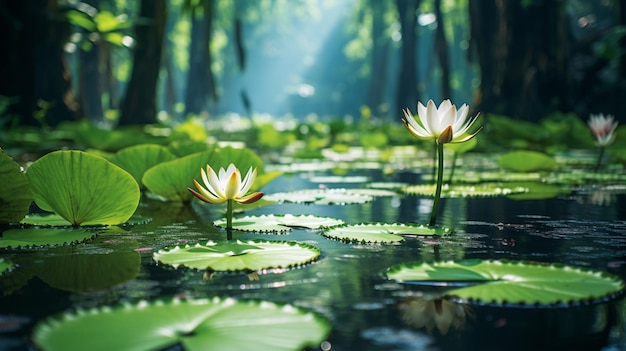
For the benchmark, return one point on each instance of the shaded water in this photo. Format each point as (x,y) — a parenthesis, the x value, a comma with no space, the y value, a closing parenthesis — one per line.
(347,283)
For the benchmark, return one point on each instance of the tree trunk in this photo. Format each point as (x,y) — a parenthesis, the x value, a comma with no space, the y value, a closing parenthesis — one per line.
(408,94)
(522,51)
(441,48)
(139,105)
(34,68)
(201,87)
(380,57)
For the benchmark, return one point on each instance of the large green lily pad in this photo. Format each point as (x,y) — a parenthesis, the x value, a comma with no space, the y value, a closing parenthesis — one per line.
(278,223)
(527,161)
(203,324)
(33,237)
(239,255)
(513,283)
(82,188)
(15,193)
(381,232)
(137,159)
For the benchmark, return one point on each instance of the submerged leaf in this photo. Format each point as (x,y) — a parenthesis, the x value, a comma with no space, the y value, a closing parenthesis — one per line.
(84,189)
(517,283)
(203,324)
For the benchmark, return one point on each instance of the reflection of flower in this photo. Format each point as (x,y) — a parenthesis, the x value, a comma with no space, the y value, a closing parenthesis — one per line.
(424,312)
(603,128)
(226,187)
(444,124)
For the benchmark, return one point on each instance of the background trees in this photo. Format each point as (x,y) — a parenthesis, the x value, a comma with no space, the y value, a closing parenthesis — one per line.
(134,58)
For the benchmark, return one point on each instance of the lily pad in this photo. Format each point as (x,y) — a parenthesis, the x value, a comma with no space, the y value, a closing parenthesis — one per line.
(82,188)
(239,255)
(171,179)
(527,161)
(320,197)
(202,324)
(467,190)
(15,193)
(55,220)
(381,232)
(278,223)
(137,159)
(513,283)
(32,237)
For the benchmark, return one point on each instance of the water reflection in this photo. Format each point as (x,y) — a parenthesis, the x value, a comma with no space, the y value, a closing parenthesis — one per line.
(430,312)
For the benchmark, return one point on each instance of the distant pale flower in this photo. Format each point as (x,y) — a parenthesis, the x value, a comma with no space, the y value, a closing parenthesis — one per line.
(445,124)
(603,128)
(226,186)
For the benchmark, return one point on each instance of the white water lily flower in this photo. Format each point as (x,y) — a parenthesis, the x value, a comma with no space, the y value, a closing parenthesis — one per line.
(445,124)
(603,128)
(226,186)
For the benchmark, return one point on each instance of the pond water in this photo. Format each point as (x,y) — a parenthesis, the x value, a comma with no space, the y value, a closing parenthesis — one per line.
(347,284)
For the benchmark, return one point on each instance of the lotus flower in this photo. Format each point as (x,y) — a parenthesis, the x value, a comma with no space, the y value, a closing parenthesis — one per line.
(226,187)
(603,128)
(445,124)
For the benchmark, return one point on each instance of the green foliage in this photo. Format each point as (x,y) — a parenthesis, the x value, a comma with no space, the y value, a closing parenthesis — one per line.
(237,255)
(15,193)
(82,188)
(510,282)
(527,161)
(215,324)
(34,237)
(137,159)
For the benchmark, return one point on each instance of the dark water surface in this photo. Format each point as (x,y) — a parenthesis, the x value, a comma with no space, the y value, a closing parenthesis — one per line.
(347,283)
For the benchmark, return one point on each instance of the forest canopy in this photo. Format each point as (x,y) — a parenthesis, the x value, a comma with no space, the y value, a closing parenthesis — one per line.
(129,62)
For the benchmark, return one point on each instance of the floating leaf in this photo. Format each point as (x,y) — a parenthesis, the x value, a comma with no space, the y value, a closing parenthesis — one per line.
(513,283)
(278,223)
(29,237)
(171,179)
(54,220)
(203,324)
(137,159)
(250,256)
(475,190)
(538,191)
(320,197)
(82,188)
(15,193)
(381,232)
(5,266)
(527,161)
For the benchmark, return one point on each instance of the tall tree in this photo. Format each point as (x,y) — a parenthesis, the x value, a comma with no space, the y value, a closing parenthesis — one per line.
(139,105)
(522,51)
(441,49)
(407,94)
(380,53)
(34,71)
(201,85)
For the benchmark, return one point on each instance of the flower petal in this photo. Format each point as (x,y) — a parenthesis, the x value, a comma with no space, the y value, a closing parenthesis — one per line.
(250,198)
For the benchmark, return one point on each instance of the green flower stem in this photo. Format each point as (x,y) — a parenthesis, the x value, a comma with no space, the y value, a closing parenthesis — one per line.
(229,214)
(599,161)
(433,214)
(454,158)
